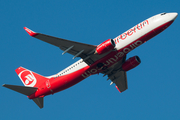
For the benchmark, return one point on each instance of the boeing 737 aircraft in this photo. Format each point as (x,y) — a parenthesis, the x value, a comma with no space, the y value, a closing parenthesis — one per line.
(108,58)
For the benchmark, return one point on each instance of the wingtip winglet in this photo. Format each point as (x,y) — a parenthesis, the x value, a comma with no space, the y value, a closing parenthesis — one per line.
(118,88)
(30,32)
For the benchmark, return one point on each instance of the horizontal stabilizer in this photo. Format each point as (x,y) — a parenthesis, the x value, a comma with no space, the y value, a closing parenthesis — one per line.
(39,101)
(21,89)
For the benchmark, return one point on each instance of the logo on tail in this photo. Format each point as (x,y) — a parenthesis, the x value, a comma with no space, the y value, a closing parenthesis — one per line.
(27,78)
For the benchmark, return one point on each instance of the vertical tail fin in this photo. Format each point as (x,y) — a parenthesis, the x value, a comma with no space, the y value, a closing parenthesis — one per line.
(31,81)
(30,78)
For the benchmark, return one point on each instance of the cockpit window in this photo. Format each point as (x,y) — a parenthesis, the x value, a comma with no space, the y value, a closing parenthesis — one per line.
(163,13)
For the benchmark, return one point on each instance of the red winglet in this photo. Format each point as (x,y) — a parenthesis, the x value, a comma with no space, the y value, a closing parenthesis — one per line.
(118,89)
(30,32)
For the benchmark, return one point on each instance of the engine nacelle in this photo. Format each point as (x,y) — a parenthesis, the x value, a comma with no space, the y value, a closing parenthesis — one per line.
(106,46)
(131,63)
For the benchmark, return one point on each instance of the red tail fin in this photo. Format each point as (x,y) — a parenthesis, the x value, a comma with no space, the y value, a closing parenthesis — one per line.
(30,78)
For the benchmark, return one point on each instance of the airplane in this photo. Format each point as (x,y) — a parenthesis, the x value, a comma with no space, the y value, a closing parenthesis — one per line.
(108,58)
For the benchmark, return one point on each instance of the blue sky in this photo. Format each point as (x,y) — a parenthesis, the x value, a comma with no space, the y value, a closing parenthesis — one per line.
(153,87)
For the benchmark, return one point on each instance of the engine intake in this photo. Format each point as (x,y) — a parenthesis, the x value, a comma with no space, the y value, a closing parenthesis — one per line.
(131,63)
(105,47)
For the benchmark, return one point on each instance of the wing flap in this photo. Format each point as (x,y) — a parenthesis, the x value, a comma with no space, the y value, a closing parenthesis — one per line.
(120,79)
(118,76)
(64,44)
(121,82)
(74,48)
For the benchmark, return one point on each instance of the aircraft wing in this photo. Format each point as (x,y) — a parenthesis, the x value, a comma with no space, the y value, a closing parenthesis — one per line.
(120,79)
(118,76)
(75,48)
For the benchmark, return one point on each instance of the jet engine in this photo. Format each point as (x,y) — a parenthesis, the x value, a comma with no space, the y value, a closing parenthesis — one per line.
(105,47)
(131,63)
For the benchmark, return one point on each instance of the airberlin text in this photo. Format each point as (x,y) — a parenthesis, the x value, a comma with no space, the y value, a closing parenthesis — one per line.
(131,31)
(113,59)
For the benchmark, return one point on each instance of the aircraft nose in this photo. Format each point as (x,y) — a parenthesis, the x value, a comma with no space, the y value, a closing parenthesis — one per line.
(174,15)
